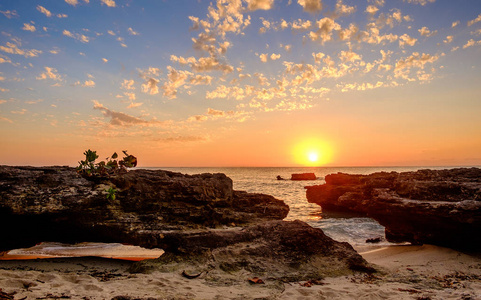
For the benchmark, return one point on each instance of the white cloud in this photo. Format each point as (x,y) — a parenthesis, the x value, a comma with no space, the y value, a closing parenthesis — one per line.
(324,33)
(28,27)
(406,40)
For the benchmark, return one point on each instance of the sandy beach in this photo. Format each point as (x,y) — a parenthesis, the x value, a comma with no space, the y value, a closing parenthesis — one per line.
(405,272)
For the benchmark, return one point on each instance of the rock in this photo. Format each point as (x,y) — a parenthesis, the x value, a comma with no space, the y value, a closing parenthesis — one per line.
(284,250)
(57,204)
(441,207)
(374,240)
(303,176)
(279,177)
(186,215)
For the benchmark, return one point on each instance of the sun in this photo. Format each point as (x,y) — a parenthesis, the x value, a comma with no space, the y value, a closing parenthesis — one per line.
(313,156)
(312,152)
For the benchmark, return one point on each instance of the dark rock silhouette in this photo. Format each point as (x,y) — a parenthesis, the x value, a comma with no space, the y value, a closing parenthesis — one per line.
(441,207)
(303,176)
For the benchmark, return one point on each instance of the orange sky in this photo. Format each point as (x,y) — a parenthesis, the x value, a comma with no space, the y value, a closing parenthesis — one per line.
(242,83)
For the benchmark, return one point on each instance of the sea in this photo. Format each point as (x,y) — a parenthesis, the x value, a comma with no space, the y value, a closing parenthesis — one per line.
(341,227)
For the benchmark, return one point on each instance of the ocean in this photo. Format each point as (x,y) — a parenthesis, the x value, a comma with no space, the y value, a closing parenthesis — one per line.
(352,229)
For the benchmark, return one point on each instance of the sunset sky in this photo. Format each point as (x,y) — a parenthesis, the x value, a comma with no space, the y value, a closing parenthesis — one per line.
(242,82)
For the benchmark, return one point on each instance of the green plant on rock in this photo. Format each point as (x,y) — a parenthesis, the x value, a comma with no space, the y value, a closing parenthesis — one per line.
(111,193)
(111,165)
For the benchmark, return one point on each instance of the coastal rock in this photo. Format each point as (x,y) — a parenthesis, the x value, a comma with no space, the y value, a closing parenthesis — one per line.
(440,207)
(284,250)
(303,176)
(57,204)
(199,220)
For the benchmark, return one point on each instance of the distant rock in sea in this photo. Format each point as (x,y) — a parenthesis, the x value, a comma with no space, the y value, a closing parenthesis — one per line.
(304,176)
(440,207)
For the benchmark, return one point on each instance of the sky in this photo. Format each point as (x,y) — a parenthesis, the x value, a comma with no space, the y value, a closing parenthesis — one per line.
(241,82)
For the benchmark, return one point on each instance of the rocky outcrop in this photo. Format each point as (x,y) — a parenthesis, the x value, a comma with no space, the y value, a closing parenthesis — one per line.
(56,204)
(199,220)
(441,207)
(303,176)
(284,250)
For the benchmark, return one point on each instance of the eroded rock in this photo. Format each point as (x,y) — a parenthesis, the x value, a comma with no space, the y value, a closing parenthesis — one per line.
(441,207)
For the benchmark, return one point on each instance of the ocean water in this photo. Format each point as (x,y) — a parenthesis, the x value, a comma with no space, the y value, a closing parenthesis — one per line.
(344,228)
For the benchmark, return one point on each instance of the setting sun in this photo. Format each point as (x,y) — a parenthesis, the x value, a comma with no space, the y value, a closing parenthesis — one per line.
(313,156)
(312,152)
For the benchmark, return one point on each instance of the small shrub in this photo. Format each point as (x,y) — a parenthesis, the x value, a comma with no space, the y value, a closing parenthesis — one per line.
(111,166)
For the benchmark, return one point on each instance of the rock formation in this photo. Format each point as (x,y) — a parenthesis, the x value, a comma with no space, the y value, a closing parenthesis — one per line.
(440,207)
(303,176)
(189,216)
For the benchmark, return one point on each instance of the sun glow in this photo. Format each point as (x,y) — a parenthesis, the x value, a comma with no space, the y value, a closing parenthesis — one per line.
(312,152)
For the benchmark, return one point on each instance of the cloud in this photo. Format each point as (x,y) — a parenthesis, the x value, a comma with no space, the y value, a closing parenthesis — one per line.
(128,84)
(150,87)
(9,13)
(104,60)
(72,2)
(472,22)
(44,11)
(421,2)
(122,119)
(324,33)
(372,9)
(50,73)
(406,40)
(80,37)
(455,24)
(471,43)
(343,10)
(132,32)
(109,3)
(426,32)
(12,48)
(5,119)
(403,67)
(89,83)
(311,6)
(29,27)
(259,4)
(448,39)
(135,104)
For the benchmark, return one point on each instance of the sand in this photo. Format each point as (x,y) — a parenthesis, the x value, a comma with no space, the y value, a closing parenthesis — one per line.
(406,272)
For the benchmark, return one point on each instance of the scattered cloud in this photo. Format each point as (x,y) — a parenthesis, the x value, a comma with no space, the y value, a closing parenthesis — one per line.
(424,31)
(122,119)
(312,6)
(132,32)
(89,83)
(80,37)
(50,73)
(471,43)
(72,2)
(454,24)
(474,21)
(9,13)
(104,60)
(109,3)
(259,4)
(13,48)
(28,27)
(44,11)
(421,2)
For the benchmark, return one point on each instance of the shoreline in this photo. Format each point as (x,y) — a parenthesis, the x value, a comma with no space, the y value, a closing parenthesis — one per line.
(405,272)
